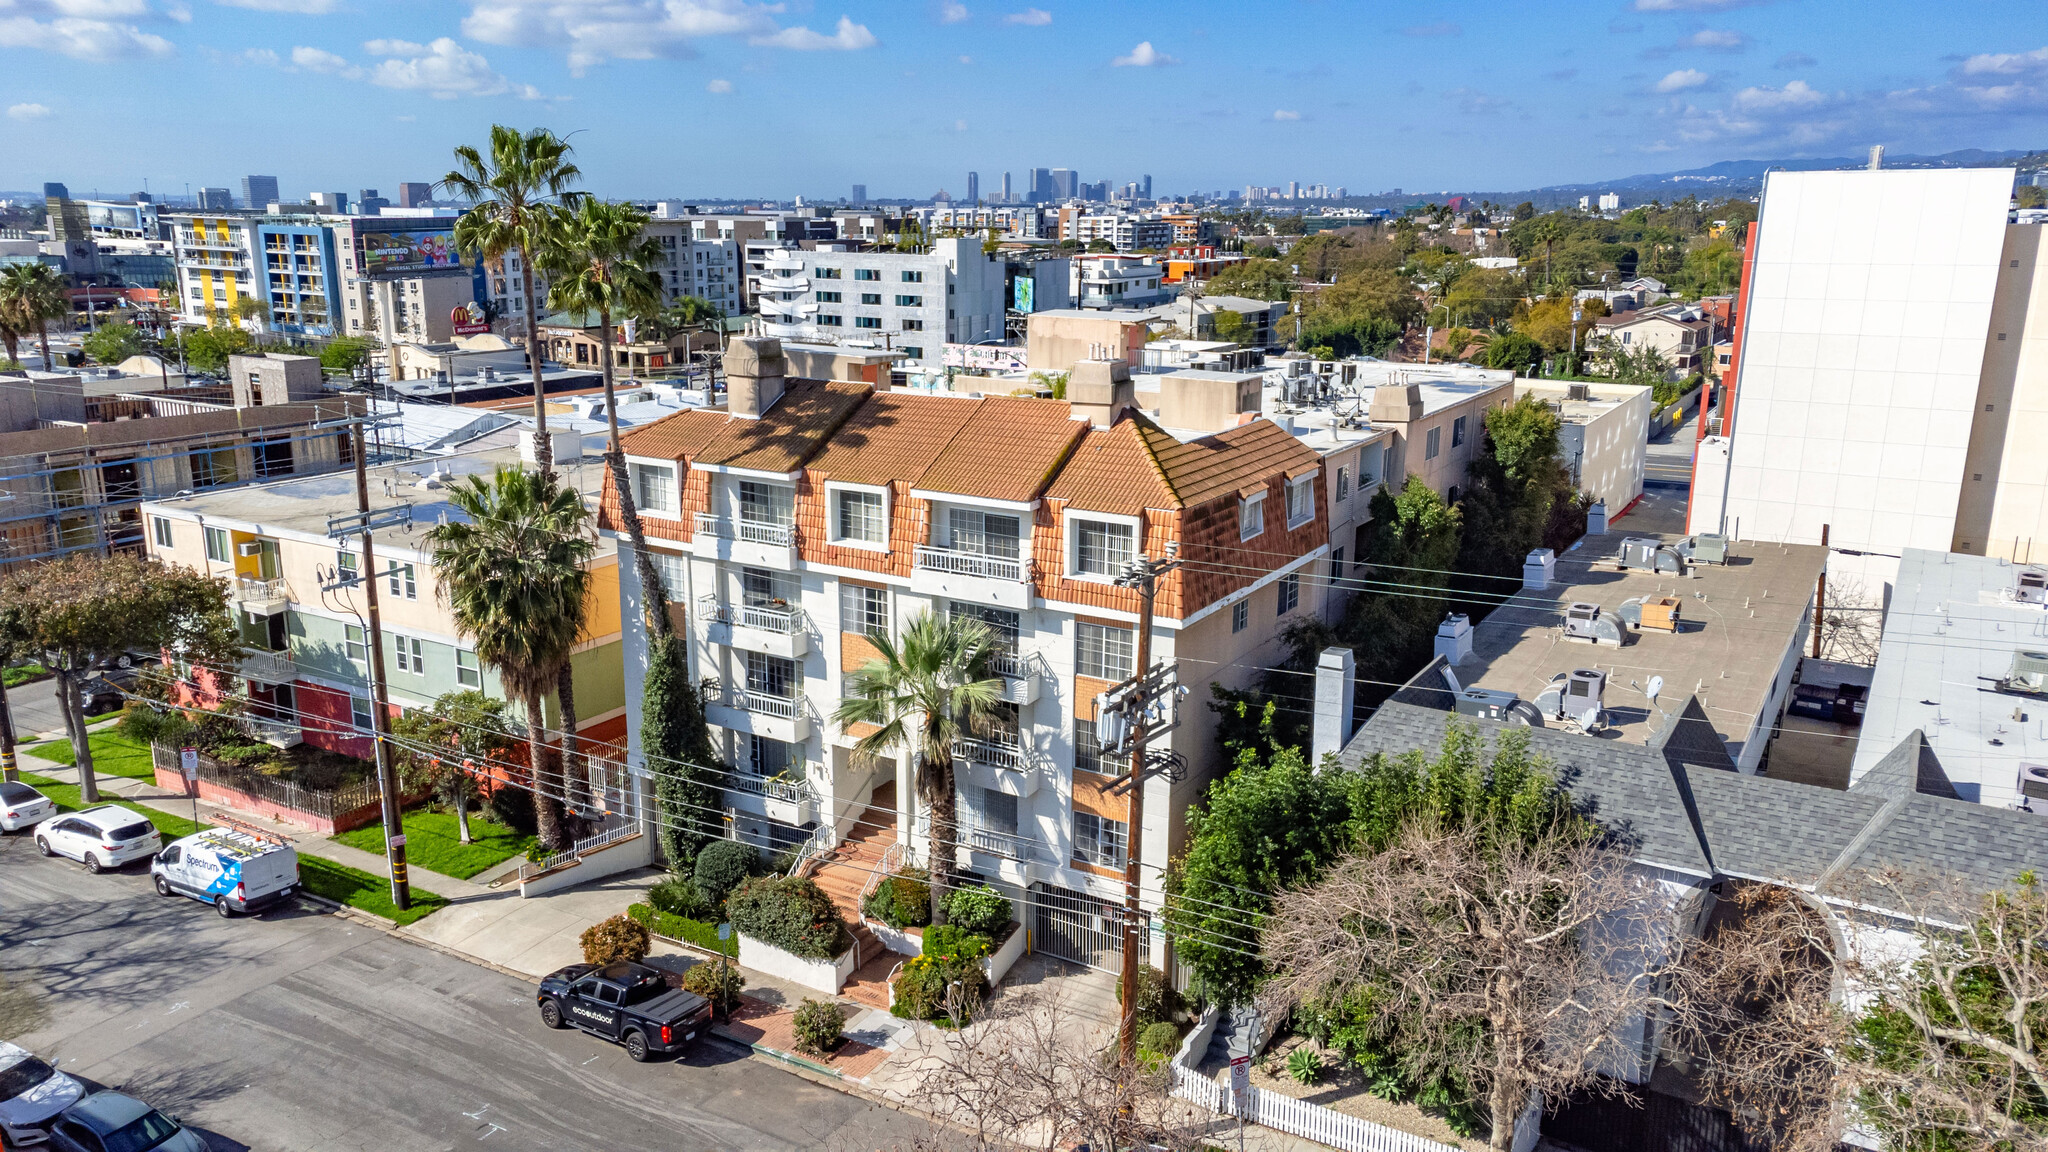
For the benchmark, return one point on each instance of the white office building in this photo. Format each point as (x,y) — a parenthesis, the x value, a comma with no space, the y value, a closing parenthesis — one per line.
(912,302)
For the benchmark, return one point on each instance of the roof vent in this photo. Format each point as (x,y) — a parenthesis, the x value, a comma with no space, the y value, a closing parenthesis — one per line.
(2034,781)
(2032,587)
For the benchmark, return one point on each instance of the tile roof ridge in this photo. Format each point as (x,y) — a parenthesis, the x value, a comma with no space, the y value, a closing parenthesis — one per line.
(1145,426)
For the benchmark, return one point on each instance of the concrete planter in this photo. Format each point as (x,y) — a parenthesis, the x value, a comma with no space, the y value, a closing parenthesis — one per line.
(908,941)
(997,964)
(827,976)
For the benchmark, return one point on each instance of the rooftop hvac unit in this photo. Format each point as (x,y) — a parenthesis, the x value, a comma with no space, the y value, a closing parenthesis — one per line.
(1709,548)
(2032,588)
(2029,672)
(1586,624)
(1578,391)
(1649,554)
(1653,613)
(1574,699)
(1494,704)
(2034,781)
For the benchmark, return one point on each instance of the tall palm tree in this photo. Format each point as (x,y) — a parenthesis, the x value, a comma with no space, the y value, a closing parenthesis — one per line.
(601,260)
(514,195)
(923,692)
(32,295)
(515,575)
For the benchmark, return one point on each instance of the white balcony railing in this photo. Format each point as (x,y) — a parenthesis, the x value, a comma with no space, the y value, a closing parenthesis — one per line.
(1007,845)
(764,704)
(970,563)
(747,531)
(994,753)
(766,618)
(268,667)
(247,591)
(774,787)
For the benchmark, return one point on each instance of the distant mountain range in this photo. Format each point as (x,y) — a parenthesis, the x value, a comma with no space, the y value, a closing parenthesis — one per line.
(1750,173)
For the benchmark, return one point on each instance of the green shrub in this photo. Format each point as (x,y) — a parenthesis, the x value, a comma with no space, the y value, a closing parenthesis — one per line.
(954,942)
(149,724)
(513,807)
(818,1025)
(1156,998)
(619,938)
(678,896)
(1305,1065)
(791,913)
(982,911)
(716,981)
(903,900)
(1159,1042)
(923,982)
(682,928)
(721,865)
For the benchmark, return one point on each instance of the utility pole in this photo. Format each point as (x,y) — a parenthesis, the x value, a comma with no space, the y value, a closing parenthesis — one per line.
(1142,574)
(380,694)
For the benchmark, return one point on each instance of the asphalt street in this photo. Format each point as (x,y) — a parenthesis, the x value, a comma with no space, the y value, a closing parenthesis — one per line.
(34,709)
(297,1029)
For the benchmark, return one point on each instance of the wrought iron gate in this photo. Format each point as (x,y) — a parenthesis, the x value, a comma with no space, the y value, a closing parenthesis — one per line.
(1076,926)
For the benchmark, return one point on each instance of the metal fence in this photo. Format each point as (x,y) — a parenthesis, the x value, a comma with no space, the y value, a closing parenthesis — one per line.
(326,804)
(1077,927)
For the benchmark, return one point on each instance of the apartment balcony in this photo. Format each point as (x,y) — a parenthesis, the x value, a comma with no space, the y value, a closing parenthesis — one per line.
(971,576)
(1006,846)
(785,718)
(265,667)
(261,597)
(746,541)
(274,732)
(776,631)
(1022,674)
(782,800)
(1001,763)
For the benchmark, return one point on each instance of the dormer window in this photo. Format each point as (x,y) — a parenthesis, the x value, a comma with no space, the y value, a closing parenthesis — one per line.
(1251,515)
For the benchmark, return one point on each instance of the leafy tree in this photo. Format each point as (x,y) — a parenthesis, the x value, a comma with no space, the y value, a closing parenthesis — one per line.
(346,354)
(1231,326)
(442,746)
(208,349)
(114,342)
(1484,297)
(1414,540)
(81,611)
(1549,322)
(513,572)
(1270,824)
(1643,365)
(253,312)
(1256,279)
(676,743)
(1101,246)
(1514,485)
(1363,313)
(2030,196)
(514,195)
(922,692)
(32,295)
(1712,269)
(1513,350)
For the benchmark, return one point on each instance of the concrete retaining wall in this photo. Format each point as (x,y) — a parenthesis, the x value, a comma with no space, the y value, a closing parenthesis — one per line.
(633,852)
(827,976)
(213,793)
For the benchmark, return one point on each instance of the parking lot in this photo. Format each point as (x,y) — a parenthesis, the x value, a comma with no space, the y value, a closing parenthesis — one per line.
(297,1029)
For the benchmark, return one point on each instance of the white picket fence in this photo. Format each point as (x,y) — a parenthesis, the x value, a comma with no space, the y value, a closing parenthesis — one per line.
(1299,1117)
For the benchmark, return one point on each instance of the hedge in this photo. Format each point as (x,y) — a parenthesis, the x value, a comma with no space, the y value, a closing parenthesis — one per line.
(791,913)
(682,928)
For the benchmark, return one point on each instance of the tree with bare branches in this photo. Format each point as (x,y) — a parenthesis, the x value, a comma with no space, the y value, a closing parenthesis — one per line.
(1523,965)
(1032,1073)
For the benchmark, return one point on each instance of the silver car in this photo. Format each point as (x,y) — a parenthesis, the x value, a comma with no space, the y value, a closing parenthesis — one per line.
(22,806)
(31,1095)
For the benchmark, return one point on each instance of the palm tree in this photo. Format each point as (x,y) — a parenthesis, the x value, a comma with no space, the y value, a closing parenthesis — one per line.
(600,260)
(514,196)
(514,574)
(32,295)
(923,692)
(254,313)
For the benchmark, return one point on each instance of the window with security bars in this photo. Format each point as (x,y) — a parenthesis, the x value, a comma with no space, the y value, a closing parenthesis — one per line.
(762,503)
(1103,652)
(1098,840)
(1102,549)
(985,533)
(863,609)
(860,517)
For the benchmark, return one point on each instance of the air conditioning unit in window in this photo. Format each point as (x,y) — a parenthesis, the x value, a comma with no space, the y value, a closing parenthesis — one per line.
(252,548)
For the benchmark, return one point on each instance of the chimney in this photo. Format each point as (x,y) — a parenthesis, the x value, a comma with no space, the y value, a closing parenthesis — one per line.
(1336,680)
(1454,638)
(753,375)
(1100,390)
(1396,404)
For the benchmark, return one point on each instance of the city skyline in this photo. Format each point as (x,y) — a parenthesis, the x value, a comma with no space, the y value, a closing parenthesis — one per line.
(1496,96)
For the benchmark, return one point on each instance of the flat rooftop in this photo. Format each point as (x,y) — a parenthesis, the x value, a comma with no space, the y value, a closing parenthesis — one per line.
(1605,398)
(1949,638)
(1738,622)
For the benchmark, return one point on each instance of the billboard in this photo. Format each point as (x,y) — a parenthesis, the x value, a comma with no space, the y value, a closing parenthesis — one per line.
(1024,293)
(469,319)
(408,251)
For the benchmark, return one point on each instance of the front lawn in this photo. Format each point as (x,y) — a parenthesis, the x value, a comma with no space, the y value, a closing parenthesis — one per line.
(112,755)
(433,842)
(360,890)
(66,798)
(21,674)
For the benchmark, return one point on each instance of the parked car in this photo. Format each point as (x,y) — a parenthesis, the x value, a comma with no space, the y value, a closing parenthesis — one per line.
(111,1122)
(22,806)
(104,837)
(106,690)
(31,1095)
(232,870)
(626,1002)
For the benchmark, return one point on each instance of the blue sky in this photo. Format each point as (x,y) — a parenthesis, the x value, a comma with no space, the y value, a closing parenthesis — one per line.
(702,98)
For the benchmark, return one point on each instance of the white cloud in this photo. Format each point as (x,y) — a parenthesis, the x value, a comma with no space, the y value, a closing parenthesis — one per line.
(1286,114)
(2006,63)
(1682,79)
(1144,56)
(959,125)
(82,29)
(1030,17)
(1794,95)
(301,7)
(26,112)
(848,37)
(263,56)
(444,70)
(592,33)
(317,60)
(1717,40)
(952,13)
(967,59)
(719,87)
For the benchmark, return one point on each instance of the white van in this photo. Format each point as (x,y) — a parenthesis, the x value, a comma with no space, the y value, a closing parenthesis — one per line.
(233,870)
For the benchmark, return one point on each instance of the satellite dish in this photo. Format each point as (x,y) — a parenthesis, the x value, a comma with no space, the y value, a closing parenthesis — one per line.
(1656,687)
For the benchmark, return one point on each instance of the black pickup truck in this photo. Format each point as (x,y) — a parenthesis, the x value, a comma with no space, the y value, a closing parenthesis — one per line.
(630,1003)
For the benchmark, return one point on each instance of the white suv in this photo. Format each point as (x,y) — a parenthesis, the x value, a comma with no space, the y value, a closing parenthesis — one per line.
(104,837)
